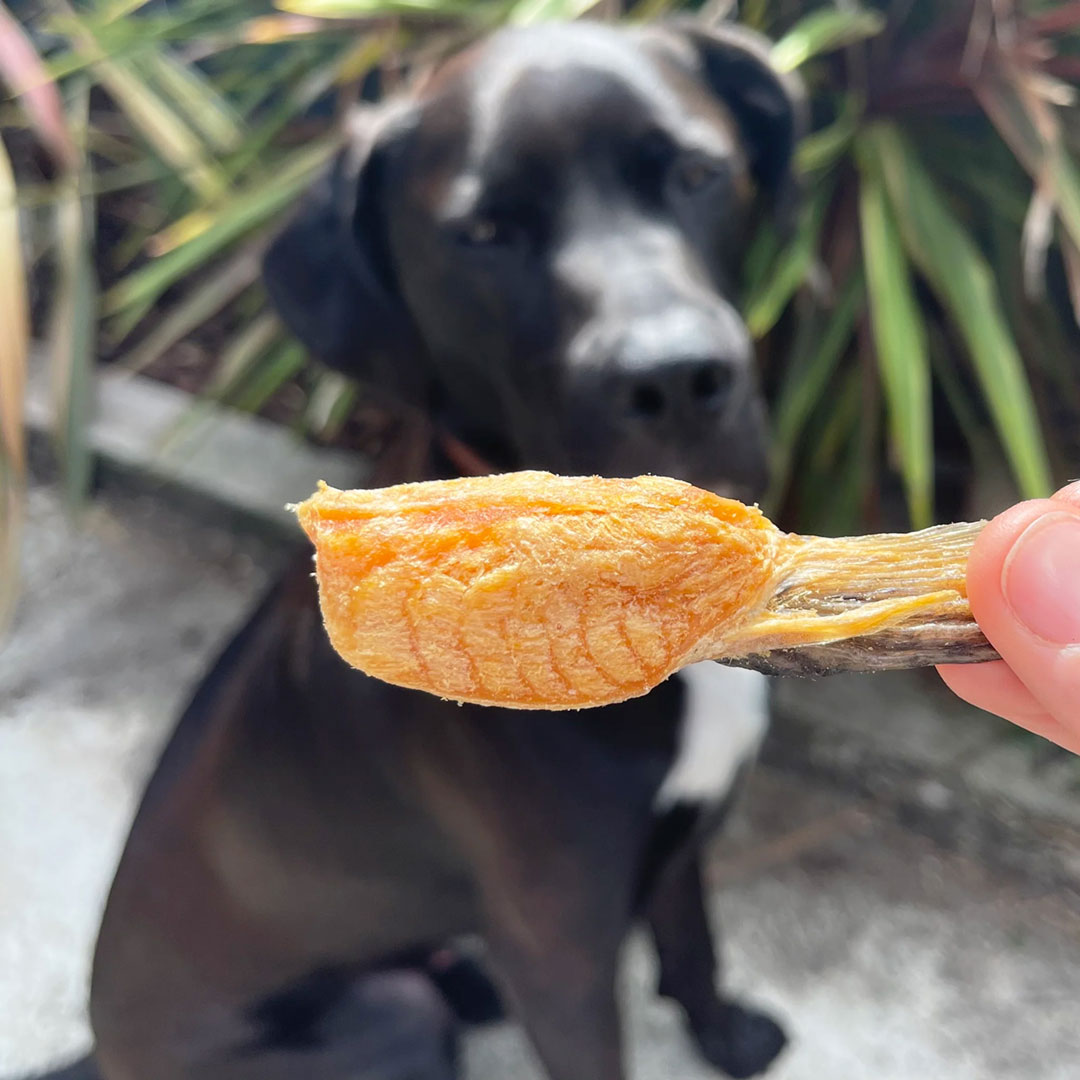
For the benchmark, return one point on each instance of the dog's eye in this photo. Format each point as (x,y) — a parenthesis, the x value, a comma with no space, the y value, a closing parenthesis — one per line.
(695,174)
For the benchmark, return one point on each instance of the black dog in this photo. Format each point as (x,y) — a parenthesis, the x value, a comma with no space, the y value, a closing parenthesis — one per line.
(538,251)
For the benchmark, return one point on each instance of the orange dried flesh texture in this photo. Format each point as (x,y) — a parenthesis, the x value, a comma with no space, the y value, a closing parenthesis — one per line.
(534,590)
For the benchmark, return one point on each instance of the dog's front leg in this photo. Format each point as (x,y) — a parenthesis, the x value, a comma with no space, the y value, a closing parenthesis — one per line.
(740,1041)
(556,955)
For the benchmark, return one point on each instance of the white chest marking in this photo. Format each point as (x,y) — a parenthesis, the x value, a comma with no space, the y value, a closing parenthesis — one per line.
(725,718)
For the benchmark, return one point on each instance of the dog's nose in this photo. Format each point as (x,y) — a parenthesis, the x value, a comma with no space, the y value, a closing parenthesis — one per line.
(686,389)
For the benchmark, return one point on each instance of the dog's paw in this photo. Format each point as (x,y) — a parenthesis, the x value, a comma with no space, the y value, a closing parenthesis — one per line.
(740,1042)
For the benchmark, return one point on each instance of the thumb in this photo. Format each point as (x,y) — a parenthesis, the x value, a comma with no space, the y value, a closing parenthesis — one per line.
(1024,586)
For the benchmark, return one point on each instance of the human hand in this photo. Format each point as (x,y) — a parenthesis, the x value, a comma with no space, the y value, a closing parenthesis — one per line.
(1024,585)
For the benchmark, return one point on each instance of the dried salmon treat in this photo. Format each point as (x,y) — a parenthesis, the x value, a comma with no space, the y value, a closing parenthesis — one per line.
(536,591)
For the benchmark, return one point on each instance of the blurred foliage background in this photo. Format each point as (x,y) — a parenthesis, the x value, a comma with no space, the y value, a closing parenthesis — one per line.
(920,322)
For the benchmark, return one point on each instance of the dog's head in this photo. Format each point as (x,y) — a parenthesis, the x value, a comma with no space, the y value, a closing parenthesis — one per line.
(541,248)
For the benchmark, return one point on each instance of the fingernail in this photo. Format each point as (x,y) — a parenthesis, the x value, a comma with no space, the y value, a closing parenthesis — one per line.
(1041,578)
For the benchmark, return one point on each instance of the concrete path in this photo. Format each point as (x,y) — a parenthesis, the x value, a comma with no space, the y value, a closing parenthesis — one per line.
(888,959)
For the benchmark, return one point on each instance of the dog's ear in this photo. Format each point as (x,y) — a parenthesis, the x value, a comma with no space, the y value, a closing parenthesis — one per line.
(768,105)
(329,274)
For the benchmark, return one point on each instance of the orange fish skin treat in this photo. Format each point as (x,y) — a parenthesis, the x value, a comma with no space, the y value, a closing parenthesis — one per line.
(530,590)
(533,590)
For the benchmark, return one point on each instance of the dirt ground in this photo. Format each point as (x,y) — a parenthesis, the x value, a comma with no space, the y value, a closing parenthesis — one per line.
(887,957)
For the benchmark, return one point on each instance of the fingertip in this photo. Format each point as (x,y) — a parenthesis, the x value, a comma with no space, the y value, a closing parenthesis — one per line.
(995,688)
(991,686)
(1069,494)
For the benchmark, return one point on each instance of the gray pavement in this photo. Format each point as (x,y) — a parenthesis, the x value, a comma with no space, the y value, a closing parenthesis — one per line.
(888,958)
